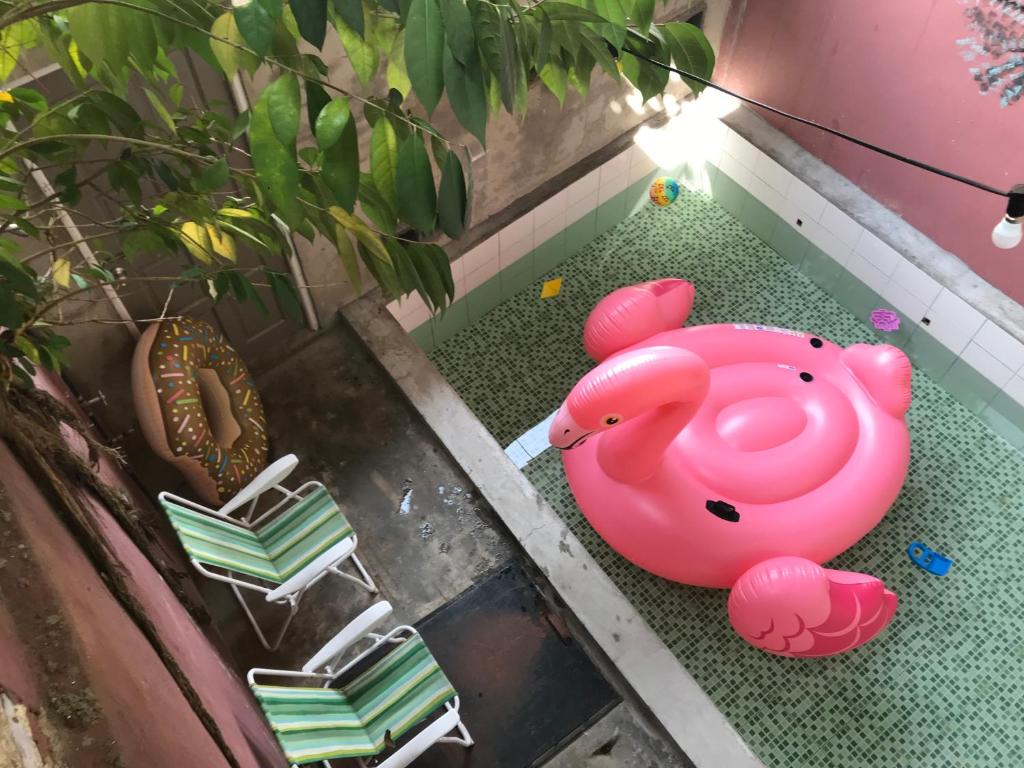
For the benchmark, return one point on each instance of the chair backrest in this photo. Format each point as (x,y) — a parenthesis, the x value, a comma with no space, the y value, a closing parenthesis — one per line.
(399,691)
(264,481)
(221,543)
(304,531)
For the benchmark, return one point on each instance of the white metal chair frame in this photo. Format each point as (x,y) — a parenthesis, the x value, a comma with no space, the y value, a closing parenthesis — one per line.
(289,592)
(359,629)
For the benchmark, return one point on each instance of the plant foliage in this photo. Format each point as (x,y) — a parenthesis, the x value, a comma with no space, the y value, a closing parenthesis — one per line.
(193,177)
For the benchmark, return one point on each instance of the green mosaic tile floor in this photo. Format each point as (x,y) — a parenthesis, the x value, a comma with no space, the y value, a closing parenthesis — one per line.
(944,685)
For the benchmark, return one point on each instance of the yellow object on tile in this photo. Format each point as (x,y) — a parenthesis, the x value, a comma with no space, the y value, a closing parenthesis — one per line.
(551,288)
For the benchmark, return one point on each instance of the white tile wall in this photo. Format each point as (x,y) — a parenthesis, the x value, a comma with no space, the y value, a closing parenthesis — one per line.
(916,282)
(1015,389)
(903,300)
(580,208)
(867,273)
(987,365)
(953,321)
(773,174)
(846,230)
(880,254)
(1001,345)
(806,199)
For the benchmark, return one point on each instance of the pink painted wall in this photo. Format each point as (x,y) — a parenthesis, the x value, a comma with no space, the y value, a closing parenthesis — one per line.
(891,72)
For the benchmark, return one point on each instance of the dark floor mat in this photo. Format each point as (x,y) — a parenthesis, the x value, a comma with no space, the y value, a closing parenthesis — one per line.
(525,688)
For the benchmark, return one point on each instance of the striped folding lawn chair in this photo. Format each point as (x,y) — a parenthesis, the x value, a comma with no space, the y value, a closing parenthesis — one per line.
(362,714)
(281,553)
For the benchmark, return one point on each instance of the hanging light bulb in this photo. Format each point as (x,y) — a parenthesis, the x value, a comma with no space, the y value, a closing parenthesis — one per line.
(1009,232)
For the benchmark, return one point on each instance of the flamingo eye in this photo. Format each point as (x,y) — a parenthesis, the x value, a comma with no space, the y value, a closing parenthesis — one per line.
(609,421)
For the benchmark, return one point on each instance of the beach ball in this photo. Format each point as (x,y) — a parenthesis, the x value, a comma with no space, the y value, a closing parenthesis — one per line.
(664,191)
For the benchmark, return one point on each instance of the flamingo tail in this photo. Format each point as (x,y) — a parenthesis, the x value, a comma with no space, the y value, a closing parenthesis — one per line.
(792,606)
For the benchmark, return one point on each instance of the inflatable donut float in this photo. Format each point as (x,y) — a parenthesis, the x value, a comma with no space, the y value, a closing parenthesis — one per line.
(740,456)
(198,407)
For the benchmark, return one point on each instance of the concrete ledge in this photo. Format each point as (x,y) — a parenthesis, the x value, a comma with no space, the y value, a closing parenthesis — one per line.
(913,244)
(646,664)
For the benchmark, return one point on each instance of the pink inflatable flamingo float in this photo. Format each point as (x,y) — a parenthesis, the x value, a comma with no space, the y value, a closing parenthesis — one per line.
(739,456)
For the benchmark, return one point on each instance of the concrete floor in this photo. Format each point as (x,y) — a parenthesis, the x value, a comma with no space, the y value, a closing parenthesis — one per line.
(425,535)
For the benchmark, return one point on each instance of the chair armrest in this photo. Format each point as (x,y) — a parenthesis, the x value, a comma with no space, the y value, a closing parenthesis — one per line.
(422,741)
(312,570)
(251,674)
(263,482)
(195,506)
(356,630)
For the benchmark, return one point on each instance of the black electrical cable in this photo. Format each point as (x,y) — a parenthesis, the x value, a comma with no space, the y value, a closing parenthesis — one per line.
(1015,195)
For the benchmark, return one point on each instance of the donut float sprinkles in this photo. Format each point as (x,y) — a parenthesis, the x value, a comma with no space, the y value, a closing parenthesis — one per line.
(180,349)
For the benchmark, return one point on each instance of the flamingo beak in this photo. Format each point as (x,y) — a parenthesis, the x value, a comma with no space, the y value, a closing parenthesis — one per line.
(564,432)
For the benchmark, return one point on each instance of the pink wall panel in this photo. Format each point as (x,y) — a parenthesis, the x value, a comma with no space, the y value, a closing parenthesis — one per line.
(892,73)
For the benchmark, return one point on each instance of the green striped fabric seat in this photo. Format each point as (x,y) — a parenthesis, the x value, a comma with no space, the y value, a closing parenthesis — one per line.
(390,697)
(275,552)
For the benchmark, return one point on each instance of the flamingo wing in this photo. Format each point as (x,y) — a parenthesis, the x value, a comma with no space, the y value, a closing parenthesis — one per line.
(792,606)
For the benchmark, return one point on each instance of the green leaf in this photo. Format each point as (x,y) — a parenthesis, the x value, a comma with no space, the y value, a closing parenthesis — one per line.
(213,177)
(458,30)
(160,109)
(598,48)
(230,57)
(99,31)
(397,74)
(13,40)
(648,79)
(442,266)
(28,349)
(579,76)
(340,167)
(376,208)
(119,112)
(311,18)
(369,239)
(11,314)
(560,11)
(424,51)
(19,278)
(362,55)
(331,122)
(285,295)
(351,12)
(642,14)
(316,100)
(383,160)
(614,29)
(544,39)
(142,242)
(451,201)
(276,167)
(347,254)
(511,73)
(466,93)
(256,20)
(12,203)
(417,200)
(553,76)
(282,100)
(141,36)
(690,50)
(488,33)
(426,267)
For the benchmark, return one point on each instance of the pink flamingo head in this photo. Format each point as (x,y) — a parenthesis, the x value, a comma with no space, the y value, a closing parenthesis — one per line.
(626,386)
